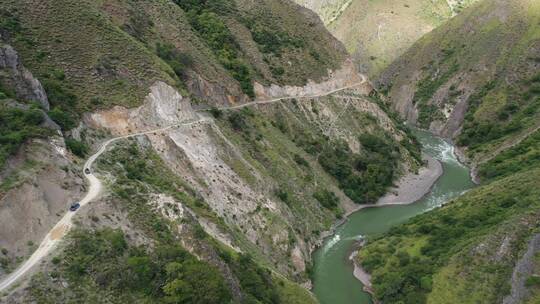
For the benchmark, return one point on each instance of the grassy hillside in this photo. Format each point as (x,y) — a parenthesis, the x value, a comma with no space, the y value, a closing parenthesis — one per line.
(377,32)
(17,125)
(479,71)
(461,253)
(95,54)
(474,79)
(149,262)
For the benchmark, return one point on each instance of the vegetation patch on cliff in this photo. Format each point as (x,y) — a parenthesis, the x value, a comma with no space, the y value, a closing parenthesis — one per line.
(17,125)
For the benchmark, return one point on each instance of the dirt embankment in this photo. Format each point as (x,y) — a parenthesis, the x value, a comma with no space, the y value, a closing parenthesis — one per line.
(346,76)
(38,188)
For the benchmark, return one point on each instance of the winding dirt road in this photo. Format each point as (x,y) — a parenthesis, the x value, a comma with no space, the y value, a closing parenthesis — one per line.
(62,227)
(261,102)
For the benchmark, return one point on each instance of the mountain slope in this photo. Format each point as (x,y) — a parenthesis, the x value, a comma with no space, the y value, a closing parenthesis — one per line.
(377,32)
(464,252)
(474,80)
(241,195)
(127,43)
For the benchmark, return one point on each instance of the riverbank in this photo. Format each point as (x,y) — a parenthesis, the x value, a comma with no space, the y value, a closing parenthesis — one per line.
(462,157)
(409,189)
(359,273)
(412,187)
(334,281)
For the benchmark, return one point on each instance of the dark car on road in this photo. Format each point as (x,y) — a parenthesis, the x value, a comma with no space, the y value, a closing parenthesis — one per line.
(87,171)
(74,207)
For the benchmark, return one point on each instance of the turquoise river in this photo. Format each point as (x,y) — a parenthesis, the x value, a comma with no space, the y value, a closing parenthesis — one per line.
(333,281)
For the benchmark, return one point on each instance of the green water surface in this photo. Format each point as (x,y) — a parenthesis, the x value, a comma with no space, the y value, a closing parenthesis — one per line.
(333,281)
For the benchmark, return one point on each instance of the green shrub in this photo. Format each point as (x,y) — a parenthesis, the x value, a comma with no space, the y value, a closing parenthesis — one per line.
(204,18)
(281,123)
(57,92)
(326,198)
(16,126)
(255,281)
(300,160)
(195,282)
(284,195)
(217,113)
(166,274)
(199,232)
(413,146)
(271,39)
(363,177)
(10,23)
(238,122)
(65,120)
(177,60)
(7,91)
(56,260)
(77,147)
(533,280)
(277,71)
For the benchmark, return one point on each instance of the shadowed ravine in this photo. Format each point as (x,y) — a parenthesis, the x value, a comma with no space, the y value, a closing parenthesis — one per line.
(333,280)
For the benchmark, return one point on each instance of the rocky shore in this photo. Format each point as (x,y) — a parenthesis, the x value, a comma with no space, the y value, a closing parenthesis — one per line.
(413,187)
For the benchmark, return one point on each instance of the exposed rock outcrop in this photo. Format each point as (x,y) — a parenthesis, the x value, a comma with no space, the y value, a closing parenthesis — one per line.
(523,270)
(14,74)
(163,106)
